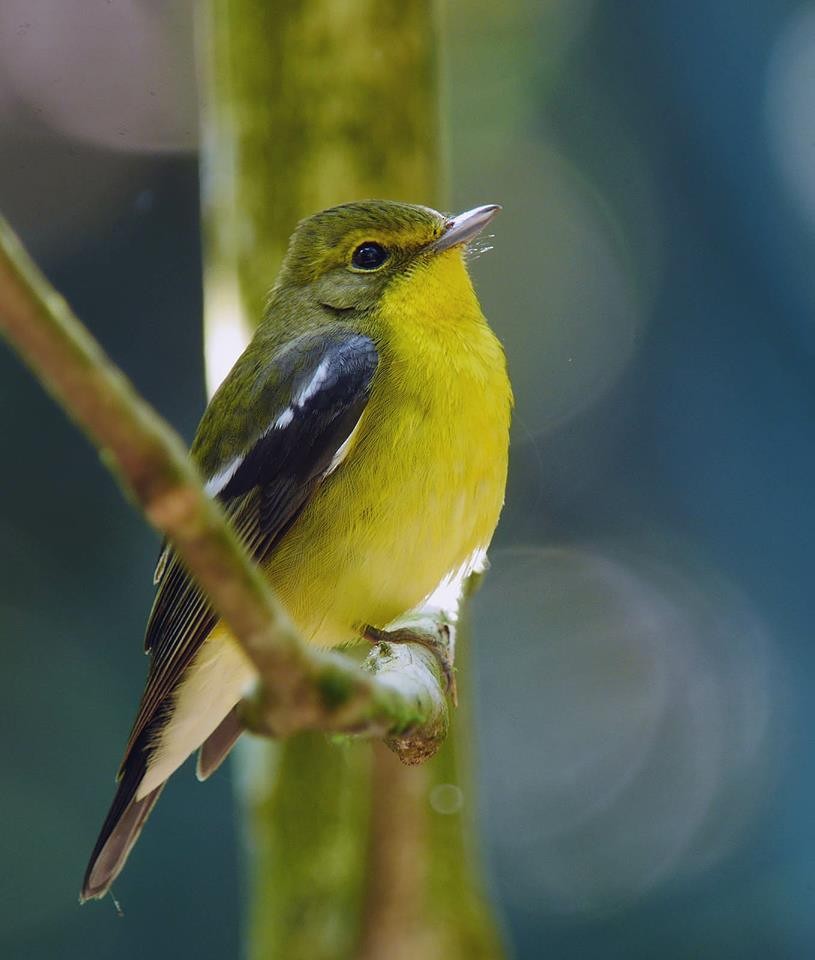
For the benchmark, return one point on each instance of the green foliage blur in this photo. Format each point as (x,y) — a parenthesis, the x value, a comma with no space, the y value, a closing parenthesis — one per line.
(643,642)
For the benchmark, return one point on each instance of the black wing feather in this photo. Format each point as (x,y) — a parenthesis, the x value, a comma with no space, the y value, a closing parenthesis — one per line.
(278,474)
(281,467)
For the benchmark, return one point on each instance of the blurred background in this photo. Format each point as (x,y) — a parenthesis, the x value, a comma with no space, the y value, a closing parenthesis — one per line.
(643,643)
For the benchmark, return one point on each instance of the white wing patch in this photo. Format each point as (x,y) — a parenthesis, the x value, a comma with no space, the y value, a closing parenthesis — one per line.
(343,449)
(218,481)
(307,391)
(283,420)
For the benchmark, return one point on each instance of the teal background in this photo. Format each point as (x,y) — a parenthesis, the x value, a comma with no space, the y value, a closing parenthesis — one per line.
(644,651)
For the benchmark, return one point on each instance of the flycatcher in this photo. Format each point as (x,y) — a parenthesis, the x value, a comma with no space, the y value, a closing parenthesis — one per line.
(359,448)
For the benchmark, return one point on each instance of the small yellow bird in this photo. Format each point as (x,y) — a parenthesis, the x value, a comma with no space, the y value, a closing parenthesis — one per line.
(359,447)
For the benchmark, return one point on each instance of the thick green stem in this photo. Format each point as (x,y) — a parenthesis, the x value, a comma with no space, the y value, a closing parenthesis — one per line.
(310,103)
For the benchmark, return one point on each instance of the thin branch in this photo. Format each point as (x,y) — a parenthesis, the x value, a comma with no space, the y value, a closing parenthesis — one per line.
(399,696)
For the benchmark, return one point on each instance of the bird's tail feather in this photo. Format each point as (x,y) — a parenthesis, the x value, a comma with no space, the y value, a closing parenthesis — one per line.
(215,749)
(122,825)
(110,854)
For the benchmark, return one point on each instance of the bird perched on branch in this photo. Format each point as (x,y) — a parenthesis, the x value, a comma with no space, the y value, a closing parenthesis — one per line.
(359,448)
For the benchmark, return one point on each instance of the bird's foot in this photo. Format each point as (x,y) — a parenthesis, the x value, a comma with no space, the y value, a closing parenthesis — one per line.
(440,641)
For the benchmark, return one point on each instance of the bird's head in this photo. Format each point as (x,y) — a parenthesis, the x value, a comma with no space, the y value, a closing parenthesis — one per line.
(344,258)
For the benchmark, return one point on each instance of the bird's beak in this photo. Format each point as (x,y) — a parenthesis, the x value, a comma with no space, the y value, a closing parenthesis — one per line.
(465,227)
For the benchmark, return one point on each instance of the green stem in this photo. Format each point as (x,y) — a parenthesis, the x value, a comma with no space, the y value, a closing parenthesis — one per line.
(309,103)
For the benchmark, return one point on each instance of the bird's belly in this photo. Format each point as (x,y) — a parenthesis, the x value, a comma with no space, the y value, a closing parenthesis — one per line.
(388,550)
(391,575)
(399,525)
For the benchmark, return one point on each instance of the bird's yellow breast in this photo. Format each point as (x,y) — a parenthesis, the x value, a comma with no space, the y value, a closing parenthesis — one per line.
(422,485)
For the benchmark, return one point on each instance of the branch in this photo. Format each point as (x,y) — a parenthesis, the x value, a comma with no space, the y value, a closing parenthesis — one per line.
(399,694)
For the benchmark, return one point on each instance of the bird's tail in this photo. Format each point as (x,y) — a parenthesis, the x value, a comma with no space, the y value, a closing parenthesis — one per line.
(121,828)
(215,749)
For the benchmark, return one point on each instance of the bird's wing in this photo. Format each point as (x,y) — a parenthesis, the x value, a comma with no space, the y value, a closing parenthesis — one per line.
(313,397)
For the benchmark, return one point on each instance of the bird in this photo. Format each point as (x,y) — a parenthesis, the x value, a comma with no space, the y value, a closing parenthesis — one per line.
(359,448)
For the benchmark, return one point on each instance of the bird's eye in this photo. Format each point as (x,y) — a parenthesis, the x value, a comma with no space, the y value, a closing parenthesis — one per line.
(369,256)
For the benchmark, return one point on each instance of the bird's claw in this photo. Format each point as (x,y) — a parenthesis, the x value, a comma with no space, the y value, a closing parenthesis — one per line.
(440,643)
